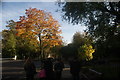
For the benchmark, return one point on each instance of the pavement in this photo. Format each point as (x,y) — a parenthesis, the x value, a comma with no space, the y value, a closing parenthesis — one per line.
(14,70)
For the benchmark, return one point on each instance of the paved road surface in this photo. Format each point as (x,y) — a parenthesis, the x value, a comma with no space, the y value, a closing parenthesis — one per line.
(13,70)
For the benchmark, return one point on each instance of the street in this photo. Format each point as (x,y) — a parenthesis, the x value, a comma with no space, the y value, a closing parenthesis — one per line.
(13,69)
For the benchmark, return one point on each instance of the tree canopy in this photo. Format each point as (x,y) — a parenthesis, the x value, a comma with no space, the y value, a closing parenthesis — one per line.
(80,47)
(39,24)
(95,15)
(34,34)
(101,18)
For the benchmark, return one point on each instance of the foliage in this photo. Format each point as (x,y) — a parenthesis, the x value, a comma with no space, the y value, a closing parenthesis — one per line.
(80,39)
(36,31)
(15,45)
(9,40)
(81,47)
(56,51)
(25,47)
(85,52)
(102,20)
(68,51)
(8,43)
(39,24)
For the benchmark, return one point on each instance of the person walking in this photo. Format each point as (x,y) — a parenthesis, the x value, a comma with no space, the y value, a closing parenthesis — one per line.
(30,69)
(41,75)
(75,66)
(58,68)
(48,66)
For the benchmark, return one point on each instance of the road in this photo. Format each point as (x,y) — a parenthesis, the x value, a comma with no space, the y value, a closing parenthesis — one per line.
(13,70)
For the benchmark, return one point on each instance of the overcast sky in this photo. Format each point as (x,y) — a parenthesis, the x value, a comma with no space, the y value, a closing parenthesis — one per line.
(12,11)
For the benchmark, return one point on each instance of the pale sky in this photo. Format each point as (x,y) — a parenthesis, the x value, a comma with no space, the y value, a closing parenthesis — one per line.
(12,11)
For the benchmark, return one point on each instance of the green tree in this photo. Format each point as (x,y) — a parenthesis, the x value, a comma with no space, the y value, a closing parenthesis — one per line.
(56,51)
(80,39)
(9,44)
(9,40)
(68,51)
(81,47)
(17,45)
(102,20)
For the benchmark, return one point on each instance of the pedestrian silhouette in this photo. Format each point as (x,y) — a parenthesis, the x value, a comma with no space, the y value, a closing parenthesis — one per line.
(30,69)
(48,66)
(42,73)
(75,66)
(58,68)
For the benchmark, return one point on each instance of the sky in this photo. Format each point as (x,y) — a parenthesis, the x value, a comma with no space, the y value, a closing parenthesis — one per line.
(13,10)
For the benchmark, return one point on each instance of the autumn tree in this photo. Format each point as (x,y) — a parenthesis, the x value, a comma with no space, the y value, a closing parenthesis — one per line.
(38,24)
(13,45)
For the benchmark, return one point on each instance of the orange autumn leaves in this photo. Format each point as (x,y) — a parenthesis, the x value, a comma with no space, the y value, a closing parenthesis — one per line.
(38,22)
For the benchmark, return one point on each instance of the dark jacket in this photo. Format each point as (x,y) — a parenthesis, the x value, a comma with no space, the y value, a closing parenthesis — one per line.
(30,69)
(48,66)
(75,67)
(58,66)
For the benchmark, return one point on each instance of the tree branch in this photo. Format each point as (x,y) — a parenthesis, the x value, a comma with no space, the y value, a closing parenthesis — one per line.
(112,10)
